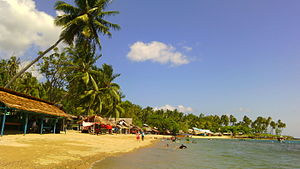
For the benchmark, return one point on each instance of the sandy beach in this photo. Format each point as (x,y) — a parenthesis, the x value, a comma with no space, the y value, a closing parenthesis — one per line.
(71,150)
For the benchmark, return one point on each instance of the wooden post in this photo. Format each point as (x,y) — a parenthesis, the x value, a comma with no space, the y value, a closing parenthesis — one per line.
(42,125)
(55,125)
(3,122)
(64,127)
(26,123)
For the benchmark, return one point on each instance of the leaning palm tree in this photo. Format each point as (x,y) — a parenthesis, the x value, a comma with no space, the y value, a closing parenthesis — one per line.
(81,23)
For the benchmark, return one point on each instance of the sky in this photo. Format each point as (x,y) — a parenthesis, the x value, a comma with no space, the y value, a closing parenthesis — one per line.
(212,57)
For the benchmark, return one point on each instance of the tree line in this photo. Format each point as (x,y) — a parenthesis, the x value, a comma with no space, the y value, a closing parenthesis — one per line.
(174,121)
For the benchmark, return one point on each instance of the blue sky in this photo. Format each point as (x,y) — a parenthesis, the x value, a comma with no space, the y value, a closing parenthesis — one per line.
(235,57)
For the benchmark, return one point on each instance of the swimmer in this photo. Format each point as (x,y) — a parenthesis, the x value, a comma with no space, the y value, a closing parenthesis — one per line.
(182,147)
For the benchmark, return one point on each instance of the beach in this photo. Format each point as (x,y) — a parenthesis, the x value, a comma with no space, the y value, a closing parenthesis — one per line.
(77,150)
(71,150)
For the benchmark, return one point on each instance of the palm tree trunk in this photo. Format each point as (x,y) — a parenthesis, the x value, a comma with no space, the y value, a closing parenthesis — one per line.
(31,63)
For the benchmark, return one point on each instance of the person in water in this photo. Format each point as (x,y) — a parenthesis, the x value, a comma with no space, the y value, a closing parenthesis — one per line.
(173,138)
(182,147)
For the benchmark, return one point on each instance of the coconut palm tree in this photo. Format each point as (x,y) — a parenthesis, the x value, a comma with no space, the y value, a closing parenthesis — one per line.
(280,126)
(225,120)
(104,94)
(232,120)
(82,63)
(82,23)
(273,124)
(111,91)
(268,121)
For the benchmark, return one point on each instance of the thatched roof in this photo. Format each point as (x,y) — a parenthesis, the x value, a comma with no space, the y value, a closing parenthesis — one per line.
(95,118)
(13,99)
(117,120)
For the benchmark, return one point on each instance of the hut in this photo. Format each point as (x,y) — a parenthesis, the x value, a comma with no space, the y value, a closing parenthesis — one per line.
(122,125)
(96,124)
(155,130)
(18,111)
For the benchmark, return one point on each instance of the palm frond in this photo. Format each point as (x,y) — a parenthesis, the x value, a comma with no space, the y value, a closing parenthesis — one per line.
(66,8)
(82,4)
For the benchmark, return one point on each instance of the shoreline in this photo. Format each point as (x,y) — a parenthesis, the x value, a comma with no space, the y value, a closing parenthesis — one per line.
(72,150)
(123,153)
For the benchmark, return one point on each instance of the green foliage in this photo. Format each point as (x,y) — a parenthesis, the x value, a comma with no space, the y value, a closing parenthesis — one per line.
(27,83)
(85,21)
(175,120)
(9,68)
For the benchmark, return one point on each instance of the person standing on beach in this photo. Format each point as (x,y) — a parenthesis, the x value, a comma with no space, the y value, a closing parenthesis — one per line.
(138,136)
(143,135)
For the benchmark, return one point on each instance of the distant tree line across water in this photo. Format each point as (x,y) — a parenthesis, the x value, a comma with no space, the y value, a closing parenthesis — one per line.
(174,120)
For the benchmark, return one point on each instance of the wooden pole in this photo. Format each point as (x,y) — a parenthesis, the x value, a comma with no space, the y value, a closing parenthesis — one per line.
(42,125)
(55,125)
(26,123)
(64,127)
(3,122)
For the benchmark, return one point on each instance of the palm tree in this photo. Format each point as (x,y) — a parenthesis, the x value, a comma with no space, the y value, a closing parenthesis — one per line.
(225,120)
(81,66)
(232,120)
(273,125)
(268,121)
(111,91)
(105,94)
(83,22)
(280,126)
(246,121)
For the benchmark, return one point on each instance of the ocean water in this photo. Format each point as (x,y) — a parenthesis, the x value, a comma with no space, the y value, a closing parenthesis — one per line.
(204,153)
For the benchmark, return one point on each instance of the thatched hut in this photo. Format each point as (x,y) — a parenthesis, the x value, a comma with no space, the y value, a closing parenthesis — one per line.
(123,125)
(96,124)
(18,110)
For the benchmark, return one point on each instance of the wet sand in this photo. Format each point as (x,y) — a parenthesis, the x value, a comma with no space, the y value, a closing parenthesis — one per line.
(72,150)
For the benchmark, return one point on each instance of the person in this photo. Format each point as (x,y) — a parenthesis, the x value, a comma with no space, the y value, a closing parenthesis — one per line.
(182,147)
(143,135)
(138,136)
(173,138)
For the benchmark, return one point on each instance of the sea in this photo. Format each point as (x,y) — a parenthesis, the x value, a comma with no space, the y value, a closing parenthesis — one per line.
(209,154)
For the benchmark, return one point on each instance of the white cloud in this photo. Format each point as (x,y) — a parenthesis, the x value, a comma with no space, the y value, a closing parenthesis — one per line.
(187,48)
(59,13)
(22,25)
(32,70)
(156,52)
(180,108)
(242,110)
